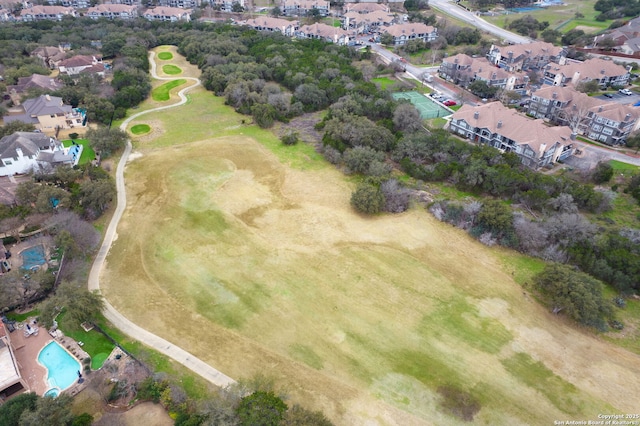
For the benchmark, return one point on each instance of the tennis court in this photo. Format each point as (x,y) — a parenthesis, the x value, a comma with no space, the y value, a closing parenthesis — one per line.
(426,107)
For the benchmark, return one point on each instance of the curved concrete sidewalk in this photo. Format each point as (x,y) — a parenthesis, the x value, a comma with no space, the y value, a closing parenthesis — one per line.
(116,318)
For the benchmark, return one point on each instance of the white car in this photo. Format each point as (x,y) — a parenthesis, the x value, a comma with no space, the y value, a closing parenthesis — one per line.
(625,92)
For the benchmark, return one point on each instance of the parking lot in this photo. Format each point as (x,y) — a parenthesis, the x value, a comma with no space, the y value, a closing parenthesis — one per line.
(622,99)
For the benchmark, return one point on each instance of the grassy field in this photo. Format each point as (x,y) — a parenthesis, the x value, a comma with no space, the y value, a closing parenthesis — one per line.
(248,253)
(161,93)
(88,154)
(171,69)
(384,82)
(561,18)
(165,56)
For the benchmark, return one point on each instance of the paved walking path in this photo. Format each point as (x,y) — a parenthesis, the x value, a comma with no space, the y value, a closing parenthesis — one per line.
(116,318)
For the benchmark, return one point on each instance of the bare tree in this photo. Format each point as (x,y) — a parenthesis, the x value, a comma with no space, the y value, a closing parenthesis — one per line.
(575,116)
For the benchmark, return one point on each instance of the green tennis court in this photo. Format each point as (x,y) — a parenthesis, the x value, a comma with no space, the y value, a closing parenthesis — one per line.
(426,107)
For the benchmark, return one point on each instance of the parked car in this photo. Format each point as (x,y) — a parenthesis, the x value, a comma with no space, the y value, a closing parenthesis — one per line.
(608,95)
(449,103)
(626,92)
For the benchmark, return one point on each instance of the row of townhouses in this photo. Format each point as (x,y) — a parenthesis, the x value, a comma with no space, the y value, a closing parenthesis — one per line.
(402,33)
(462,70)
(600,120)
(533,141)
(108,11)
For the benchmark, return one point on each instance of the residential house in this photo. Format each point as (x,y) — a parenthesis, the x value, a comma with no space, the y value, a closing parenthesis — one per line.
(324,32)
(23,152)
(46,13)
(365,8)
(226,5)
(462,70)
(182,4)
(112,11)
(11,381)
(304,7)
(82,64)
(267,23)
(600,120)
(48,113)
(536,144)
(34,81)
(128,2)
(620,36)
(606,73)
(366,22)
(403,33)
(6,15)
(168,14)
(630,46)
(524,57)
(76,4)
(50,56)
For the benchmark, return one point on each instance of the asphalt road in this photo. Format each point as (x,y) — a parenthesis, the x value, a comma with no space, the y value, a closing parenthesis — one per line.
(456,11)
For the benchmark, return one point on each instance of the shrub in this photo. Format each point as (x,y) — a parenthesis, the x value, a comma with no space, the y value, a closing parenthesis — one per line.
(290,138)
(367,199)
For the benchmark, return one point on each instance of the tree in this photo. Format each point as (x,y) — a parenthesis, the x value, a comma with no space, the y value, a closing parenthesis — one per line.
(575,293)
(550,36)
(387,39)
(80,304)
(11,410)
(495,217)
(590,86)
(49,412)
(367,198)
(575,117)
(396,196)
(276,11)
(105,140)
(406,118)
(95,196)
(602,173)
(360,158)
(298,416)
(413,5)
(261,409)
(16,126)
(481,89)
(236,7)
(264,115)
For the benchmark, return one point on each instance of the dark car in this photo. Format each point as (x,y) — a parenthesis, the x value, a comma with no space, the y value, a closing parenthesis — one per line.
(608,95)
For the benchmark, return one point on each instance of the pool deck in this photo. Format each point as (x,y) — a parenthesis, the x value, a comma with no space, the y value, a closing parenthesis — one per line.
(26,350)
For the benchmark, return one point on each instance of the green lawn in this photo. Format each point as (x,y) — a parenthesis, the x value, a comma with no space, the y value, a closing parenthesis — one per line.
(623,168)
(384,82)
(140,129)
(21,317)
(88,154)
(165,56)
(161,93)
(95,343)
(171,69)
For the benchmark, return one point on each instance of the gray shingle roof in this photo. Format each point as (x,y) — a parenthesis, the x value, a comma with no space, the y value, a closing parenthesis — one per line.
(28,142)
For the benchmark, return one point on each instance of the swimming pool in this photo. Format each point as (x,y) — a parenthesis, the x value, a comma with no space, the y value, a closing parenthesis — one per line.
(62,368)
(33,257)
